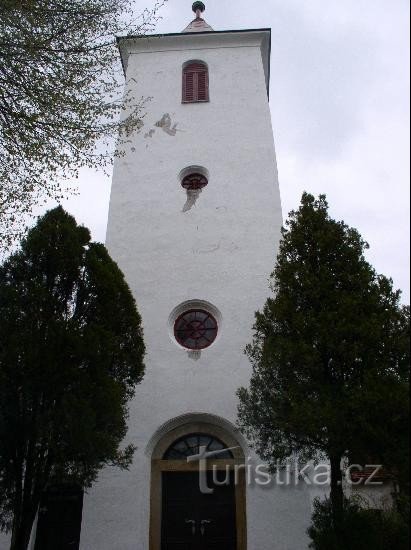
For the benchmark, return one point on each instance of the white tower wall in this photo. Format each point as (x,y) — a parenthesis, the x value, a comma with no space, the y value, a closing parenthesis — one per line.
(221,251)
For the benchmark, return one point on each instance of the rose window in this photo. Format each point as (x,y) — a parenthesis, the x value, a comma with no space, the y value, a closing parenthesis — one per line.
(195,329)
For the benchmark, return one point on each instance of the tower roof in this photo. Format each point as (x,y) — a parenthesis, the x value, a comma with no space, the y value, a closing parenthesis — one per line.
(199,39)
(198,35)
(198,24)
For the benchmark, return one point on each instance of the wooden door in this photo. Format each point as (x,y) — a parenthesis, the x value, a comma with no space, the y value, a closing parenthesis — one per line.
(195,521)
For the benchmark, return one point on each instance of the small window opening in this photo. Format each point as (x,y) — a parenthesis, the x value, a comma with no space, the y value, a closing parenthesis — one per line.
(193,182)
(195,329)
(195,83)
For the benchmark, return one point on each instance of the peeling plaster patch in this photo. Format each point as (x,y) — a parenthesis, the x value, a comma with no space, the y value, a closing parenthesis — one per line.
(232,247)
(208,249)
(165,124)
(150,134)
(226,247)
(192,196)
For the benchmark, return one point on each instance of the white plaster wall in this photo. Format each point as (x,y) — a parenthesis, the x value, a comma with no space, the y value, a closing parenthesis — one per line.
(221,251)
(4,542)
(5,539)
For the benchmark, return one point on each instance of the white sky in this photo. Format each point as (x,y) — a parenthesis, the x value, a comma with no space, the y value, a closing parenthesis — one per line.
(340,110)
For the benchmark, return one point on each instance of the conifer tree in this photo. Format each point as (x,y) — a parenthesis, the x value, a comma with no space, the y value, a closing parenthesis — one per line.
(330,354)
(71,354)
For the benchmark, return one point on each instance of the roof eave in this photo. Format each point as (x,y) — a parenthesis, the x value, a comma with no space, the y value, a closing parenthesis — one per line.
(120,39)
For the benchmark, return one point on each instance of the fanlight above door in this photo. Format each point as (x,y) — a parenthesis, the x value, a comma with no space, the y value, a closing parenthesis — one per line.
(189,445)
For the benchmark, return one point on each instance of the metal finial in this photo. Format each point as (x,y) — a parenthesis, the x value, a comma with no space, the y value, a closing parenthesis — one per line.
(198,8)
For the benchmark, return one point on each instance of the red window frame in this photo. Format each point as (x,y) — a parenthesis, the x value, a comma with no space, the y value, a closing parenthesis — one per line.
(193,334)
(194,181)
(195,83)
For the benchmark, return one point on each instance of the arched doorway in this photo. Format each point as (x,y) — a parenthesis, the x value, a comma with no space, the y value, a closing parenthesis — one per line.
(198,505)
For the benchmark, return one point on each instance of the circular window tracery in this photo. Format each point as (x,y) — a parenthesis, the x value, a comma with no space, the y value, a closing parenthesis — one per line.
(194,181)
(189,445)
(195,329)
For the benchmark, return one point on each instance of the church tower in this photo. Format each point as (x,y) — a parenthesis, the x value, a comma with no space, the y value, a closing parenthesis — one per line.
(194,224)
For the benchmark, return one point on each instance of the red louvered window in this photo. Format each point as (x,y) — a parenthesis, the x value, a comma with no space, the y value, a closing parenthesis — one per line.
(195,83)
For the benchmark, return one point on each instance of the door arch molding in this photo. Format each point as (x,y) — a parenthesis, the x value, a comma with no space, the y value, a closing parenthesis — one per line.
(195,418)
(171,432)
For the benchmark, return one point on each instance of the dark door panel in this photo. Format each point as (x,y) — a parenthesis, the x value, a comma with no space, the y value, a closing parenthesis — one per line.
(195,521)
(59,521)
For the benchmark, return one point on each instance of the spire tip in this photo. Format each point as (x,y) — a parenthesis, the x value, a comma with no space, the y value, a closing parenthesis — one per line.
(198,7)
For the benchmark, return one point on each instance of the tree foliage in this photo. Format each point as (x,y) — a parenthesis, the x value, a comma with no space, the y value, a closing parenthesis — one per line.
(71,354)
(362,527)
(330,353)
(60,95)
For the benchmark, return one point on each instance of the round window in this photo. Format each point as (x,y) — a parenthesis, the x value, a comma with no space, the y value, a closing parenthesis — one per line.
(195,329)
(192,182)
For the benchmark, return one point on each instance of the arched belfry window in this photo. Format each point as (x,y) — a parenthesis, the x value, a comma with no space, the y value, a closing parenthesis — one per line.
(189,445)
(195,82)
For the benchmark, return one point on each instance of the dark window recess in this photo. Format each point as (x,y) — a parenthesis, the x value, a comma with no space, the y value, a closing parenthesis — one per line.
(195,83)
(195,329)
(59,520)
(194,181)
(189,445)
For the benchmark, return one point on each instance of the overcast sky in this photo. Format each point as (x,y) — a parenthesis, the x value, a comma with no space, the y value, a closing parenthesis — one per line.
(340,111)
